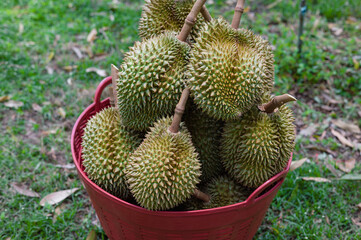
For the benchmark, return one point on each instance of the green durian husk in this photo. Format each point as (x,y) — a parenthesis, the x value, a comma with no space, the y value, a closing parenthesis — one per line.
(206,133)
(230,69)
(151,80)
(159,16)
(106,148)
(259,145)
(225,191)
(164,170)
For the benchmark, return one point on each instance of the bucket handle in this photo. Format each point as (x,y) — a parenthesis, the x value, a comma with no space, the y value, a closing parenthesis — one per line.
(279,177)
(98,92)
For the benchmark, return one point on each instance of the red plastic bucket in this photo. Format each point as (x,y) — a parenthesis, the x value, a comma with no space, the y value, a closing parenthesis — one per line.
(123,220)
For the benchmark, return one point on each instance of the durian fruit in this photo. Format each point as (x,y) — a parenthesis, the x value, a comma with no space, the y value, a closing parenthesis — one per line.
(151,80)
(225,191)
(164,170)
(258,146)
(106,148)
(230,69)
(206,133)
(159,16)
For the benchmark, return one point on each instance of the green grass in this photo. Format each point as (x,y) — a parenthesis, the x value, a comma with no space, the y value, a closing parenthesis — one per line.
(29,153)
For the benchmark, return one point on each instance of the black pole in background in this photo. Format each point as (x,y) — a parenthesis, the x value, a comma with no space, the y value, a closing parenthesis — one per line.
(300,28)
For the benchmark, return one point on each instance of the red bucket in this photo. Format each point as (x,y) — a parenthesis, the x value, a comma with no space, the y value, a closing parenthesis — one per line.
(123,220)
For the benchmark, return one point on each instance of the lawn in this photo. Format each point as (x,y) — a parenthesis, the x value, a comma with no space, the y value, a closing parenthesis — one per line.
(47,78)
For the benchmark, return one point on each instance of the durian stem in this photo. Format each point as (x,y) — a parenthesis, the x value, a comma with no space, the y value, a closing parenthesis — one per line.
(206,15)
(238,11)
(276,102)
(190,20)
(114,74)
(111,96)
(202,196)
(179,110)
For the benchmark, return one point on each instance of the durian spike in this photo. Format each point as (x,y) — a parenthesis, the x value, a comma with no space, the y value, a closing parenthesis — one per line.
(276,102)
(114,74)
(111,96)
(179,110)
(202,196)
(206,15)
(190,20)
(238,11)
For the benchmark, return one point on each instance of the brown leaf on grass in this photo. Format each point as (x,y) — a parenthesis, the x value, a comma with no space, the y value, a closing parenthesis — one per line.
(337,31)
(70,68)
(58,210)
(57,197)
(272,5)
(100,72)
(327,220)
(21,28)
(61,112)
(48,132)
(13,104)
(24,190)
(351,20)
(356,64)
(297,164)
(66,166)
(316,179)
(356,221)
(342,139)
(346,166)
(309,131)
(92,35)
(77,52)
(350,127)
(321,149)
(332,169)
(4,98)
(36,107)
(49,70)
(92,235)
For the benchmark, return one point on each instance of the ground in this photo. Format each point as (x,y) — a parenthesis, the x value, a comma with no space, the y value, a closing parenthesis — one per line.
(46,80)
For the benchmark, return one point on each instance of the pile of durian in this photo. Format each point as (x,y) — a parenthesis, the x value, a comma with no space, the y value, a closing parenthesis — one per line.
(230,136)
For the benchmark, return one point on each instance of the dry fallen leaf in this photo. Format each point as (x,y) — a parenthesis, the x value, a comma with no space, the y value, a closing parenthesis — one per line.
(23,190)
(332,169)
(57,197)
(62,112)
(335,29)
(341,138)
(70,68)
(356,221)
(346,166)
(356,64)
(4,98)
(92,235)
(21,28)
(66,166)
(14,104)
(51,131)
(316,179)
(36,107)
(309,131)
(58,210)
(347,126)
(297,164)
(92,35)
(98,71)
(352,177)
(77,51)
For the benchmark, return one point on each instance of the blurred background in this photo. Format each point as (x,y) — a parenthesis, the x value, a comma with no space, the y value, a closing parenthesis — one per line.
(53,54)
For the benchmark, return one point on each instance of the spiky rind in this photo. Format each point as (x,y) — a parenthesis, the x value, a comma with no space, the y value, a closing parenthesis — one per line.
(225,191)
(151,80)
(159,16)
(259,145)
(230,69)
(106,148)
(206,133)
(164,170)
